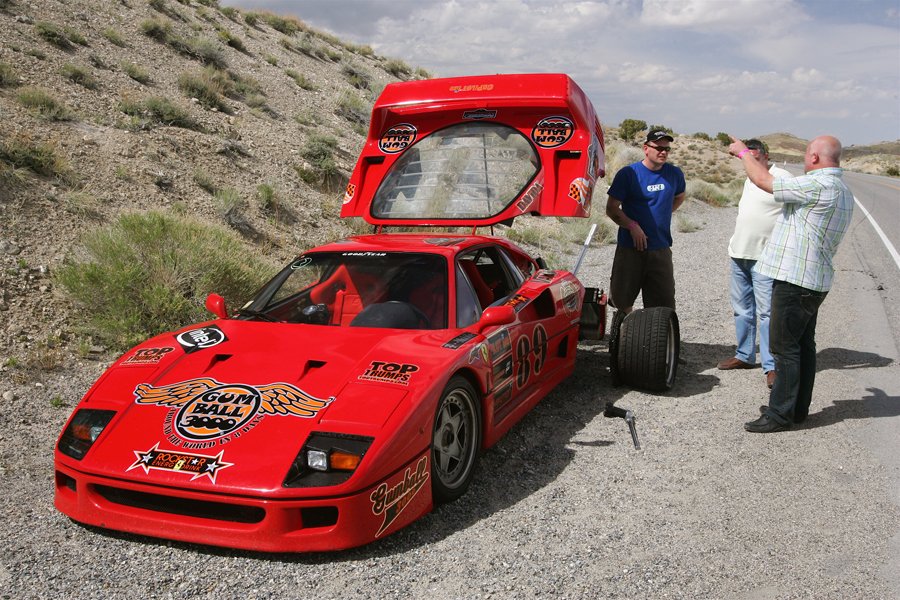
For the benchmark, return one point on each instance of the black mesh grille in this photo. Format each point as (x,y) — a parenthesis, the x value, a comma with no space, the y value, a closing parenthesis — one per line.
(180,506)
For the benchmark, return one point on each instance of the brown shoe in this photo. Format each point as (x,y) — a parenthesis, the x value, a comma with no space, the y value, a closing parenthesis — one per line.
(770,379)
(734,363)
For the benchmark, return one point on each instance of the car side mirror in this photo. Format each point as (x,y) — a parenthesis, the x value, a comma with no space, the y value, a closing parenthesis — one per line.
(216,305)
(496,315)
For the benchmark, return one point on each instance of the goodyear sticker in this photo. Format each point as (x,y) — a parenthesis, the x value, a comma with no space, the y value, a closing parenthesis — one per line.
(174,461)
(551,132)
(206,412)
(398,138)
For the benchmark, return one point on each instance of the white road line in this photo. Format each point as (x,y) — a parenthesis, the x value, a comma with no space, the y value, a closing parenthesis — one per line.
(887,243)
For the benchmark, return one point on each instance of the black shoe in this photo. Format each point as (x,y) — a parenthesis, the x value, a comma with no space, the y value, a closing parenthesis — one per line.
(762,409)
(799,418)
(765,425)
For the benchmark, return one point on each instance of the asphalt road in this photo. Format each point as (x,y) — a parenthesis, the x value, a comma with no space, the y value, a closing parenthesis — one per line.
(864,310)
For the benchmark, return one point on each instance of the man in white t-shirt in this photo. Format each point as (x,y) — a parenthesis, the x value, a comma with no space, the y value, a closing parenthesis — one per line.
(751,293)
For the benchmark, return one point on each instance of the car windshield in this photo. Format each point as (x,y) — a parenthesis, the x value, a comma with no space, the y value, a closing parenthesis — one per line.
(360,289)
(466,171)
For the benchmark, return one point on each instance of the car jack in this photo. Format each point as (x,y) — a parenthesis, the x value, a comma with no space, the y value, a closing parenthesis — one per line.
(615,411)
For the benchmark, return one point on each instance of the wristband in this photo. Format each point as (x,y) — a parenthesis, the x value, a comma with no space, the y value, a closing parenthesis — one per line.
(743,152)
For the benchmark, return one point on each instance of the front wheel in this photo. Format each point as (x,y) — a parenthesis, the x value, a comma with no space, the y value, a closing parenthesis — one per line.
(456,439)
(649,343)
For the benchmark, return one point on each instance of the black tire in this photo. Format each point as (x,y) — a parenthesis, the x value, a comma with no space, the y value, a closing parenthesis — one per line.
(455,440)
(648,348)
(614,330)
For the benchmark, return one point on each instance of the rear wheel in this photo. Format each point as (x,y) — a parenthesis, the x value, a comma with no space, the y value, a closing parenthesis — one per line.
(649,343)
(456,438)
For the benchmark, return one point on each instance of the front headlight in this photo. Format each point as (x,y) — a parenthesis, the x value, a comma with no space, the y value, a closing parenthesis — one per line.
(327,459)
(83,430)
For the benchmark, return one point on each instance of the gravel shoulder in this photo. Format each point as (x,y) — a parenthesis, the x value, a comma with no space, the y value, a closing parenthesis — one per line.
(564,506)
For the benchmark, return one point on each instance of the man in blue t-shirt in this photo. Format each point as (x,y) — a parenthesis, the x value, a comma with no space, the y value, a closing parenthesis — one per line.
(641,201)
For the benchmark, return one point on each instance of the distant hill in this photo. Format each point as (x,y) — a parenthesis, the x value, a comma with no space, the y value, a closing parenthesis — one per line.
(877,159)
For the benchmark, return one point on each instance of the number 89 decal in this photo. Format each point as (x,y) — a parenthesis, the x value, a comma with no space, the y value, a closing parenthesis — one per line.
(531,353)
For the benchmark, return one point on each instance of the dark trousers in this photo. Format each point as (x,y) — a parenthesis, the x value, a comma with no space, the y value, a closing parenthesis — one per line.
(792,340)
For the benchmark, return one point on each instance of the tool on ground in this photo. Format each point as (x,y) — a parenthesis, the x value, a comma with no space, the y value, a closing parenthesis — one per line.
(615,411)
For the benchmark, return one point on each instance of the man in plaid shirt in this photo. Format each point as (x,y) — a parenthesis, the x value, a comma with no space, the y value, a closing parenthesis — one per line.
(817,210)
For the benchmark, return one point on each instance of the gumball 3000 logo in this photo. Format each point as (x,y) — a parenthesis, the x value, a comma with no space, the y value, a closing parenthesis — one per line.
(221,409)
(204,409)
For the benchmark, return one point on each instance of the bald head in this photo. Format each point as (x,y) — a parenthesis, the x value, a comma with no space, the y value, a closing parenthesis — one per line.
(823,151)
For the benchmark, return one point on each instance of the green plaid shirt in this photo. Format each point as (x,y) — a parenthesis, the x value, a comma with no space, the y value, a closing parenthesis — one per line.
(817,210)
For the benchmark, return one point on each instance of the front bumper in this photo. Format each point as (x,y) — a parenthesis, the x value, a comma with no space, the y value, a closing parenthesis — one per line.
(247,522)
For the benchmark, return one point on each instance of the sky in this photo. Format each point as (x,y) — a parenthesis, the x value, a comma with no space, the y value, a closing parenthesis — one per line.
(745,67)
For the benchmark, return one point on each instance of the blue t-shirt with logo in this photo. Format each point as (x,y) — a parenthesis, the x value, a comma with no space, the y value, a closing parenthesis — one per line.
(647,197)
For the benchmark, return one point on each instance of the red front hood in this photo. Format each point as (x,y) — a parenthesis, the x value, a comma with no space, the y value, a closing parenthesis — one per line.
(243,408)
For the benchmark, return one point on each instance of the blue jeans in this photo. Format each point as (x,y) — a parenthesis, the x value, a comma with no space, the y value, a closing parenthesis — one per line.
(751,299)
(793,344)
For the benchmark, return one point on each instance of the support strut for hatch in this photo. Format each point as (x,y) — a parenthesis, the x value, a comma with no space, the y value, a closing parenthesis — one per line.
(615,411)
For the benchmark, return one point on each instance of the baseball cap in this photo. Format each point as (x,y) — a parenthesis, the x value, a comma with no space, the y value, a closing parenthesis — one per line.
(659,134)
(755,144)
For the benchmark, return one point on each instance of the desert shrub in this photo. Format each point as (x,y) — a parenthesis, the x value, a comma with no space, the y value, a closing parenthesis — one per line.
(230,12)
(206,182)
(364,50)
(40,102)
(205,50)
(723,138)
(228,200)
(75,36)
(353,108)
(53,35)
(576,230)
(300,79)
(619,154)
(307,118)
(272,60)
(158,30)
(232,40)
(322,170)
(20,152)
(208,86)
(265,195)
(8,76)
(158,110)
(685,224)
(707,192)
(702,136)
(397,68)
(892,171)
(136,72)
(178,262)
(630,128)
(285,25)
(422,73)
(79,75)
(251,18)
(356,76)
(113,37)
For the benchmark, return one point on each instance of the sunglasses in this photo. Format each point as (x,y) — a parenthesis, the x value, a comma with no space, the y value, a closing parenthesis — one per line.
(661,148)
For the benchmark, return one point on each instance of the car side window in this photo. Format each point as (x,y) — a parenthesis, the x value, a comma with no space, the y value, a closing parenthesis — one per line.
(468,309)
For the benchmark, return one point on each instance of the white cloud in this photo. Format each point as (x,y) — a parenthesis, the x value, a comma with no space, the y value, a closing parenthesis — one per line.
(747,66)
